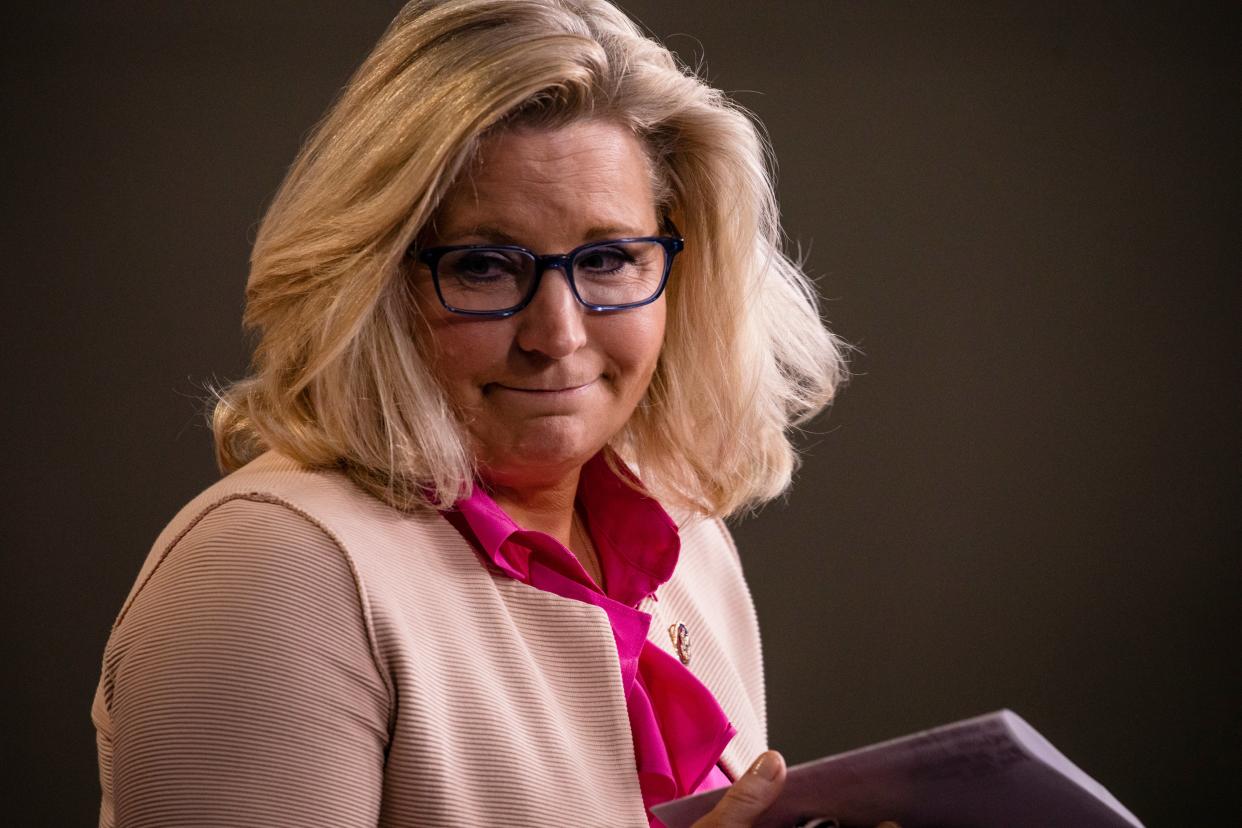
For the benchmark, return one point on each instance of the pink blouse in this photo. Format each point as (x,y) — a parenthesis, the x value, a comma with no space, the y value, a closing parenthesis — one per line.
(678,727)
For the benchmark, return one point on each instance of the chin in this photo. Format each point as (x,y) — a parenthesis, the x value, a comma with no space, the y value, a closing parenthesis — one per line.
(540,452)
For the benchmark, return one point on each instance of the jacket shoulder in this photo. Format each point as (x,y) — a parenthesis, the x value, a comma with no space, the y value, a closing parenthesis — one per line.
(362,527)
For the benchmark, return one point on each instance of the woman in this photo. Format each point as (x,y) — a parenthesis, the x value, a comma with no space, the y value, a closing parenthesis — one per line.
(525,336)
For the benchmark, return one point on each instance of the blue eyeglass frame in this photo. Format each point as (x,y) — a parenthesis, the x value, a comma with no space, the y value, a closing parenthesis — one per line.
(672,245)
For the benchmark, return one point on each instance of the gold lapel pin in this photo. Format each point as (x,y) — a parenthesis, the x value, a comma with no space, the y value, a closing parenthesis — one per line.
(680,636)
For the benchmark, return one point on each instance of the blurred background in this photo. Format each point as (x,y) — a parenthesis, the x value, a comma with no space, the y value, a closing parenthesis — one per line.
(1025,217)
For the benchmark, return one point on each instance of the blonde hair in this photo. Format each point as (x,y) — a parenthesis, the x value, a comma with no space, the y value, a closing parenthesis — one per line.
(338,379)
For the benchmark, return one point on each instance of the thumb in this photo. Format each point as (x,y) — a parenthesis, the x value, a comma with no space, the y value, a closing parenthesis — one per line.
(750,795)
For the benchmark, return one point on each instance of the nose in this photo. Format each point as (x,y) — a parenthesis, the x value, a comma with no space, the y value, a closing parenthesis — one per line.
(554,323)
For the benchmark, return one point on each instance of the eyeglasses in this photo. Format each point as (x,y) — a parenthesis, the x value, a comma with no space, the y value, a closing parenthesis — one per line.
(498,280)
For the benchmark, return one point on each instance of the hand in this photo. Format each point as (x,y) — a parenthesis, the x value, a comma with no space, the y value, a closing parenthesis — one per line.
(752,794)
(749,796)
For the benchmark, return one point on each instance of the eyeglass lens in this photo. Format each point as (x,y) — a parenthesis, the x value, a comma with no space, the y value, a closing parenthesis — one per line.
(494,279)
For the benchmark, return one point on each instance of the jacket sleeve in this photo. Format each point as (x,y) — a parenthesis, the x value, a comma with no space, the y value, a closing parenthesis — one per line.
(243,681)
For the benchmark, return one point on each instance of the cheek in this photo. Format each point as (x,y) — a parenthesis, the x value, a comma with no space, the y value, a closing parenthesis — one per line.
(636,345)
(462,350)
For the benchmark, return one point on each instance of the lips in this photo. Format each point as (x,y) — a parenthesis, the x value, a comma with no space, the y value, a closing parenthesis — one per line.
(543,388)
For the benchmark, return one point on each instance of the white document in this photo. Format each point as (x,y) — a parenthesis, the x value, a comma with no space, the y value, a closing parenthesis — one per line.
(994,771)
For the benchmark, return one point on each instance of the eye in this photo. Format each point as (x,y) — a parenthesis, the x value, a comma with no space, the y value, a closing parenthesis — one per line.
(482,265)
(478,264)
(600,261)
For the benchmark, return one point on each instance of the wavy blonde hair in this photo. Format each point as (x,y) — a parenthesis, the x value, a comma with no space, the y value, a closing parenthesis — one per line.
(338,378)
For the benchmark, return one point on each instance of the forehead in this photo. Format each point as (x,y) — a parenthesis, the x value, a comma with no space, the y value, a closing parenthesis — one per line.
(544,185)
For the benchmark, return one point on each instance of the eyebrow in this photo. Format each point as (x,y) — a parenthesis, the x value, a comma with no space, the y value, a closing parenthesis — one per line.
(495,235)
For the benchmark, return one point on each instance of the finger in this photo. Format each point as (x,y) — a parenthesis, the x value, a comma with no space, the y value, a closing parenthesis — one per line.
(750,795)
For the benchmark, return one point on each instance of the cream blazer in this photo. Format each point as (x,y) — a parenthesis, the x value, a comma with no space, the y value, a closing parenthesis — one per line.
(296,652)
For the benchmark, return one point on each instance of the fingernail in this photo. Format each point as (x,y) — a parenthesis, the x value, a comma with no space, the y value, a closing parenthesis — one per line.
(765,766)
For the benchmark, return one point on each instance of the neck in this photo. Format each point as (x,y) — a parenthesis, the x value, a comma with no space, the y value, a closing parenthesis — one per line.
(547,509)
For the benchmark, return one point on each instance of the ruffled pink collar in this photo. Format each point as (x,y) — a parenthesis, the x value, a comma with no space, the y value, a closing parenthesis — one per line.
(678,727)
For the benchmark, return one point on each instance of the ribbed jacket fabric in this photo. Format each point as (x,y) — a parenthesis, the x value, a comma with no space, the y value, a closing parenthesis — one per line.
(296,653)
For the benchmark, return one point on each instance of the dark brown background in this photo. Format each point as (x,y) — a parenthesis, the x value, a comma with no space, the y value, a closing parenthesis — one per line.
(1026,216)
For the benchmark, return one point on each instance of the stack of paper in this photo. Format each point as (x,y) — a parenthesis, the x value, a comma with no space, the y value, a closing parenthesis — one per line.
(994,771)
